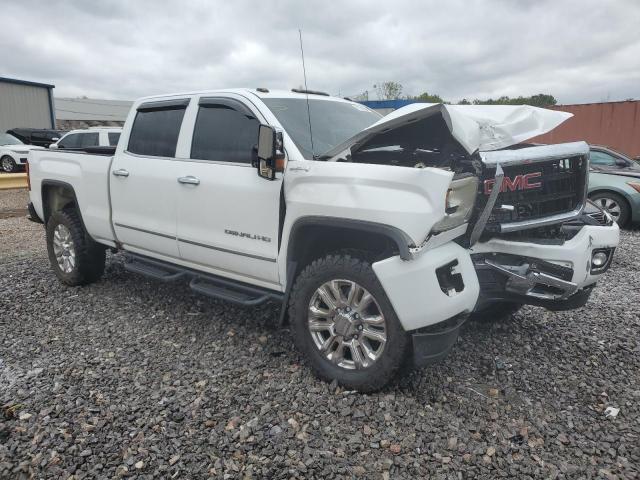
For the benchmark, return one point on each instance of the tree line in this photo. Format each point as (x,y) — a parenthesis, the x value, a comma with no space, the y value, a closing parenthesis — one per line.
(391,90)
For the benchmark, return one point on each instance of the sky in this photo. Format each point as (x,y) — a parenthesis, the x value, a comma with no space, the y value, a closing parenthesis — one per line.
(580,51)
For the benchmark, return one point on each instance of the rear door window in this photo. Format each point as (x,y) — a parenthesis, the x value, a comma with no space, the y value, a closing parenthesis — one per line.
(89,140)
(156,128)
(113,138)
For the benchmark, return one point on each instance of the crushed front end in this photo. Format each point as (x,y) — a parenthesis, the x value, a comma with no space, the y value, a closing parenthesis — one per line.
(536,239)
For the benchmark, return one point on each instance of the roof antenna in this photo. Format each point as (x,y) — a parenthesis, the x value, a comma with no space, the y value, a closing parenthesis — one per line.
(304,71)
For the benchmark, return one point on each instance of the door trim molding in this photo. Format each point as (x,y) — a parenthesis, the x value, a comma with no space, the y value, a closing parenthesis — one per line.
(150,232)
(226,250)
(197,244)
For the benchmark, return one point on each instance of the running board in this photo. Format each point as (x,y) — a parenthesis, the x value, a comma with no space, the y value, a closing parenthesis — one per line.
(203,283)
(153,269)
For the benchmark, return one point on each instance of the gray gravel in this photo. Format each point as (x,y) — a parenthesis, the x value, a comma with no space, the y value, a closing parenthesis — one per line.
(133,378)
(13,200)
(18,237)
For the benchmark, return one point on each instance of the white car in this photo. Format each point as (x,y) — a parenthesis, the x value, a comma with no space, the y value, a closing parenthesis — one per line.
(92,137)
(14,153)
(376,237)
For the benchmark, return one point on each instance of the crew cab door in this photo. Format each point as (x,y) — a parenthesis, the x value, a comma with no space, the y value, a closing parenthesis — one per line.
(228,216)
(143,180)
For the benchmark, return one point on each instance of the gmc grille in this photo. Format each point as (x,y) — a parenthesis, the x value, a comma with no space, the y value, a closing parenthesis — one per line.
(559,188)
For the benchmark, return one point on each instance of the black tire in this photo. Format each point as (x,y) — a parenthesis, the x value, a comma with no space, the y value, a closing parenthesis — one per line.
(602,198)
(496,312)
(347,267)
(89,255)
(8,164)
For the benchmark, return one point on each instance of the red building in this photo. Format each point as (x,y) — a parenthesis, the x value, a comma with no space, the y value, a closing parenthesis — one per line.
(614,124)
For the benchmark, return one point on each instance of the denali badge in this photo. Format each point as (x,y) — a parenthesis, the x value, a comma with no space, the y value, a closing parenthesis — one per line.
(519,182)
(247,235)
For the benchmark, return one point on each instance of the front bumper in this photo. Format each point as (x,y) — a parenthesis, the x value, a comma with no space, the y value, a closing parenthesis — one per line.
(449,280)
(558,277)
(435,286)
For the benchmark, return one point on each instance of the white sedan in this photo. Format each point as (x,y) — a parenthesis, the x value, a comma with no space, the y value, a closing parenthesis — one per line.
(13,153)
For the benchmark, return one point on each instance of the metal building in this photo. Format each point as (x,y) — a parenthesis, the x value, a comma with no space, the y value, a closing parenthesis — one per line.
(72,113)
(25,104)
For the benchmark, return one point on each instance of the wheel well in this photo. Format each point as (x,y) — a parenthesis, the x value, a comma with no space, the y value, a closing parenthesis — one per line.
(310,242)
(56,197)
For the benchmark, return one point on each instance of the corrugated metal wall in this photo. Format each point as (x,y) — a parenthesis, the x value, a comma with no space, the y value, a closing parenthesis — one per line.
(24,106)
(614,124)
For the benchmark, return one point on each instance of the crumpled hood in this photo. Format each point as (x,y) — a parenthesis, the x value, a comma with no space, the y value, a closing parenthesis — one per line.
(475,127)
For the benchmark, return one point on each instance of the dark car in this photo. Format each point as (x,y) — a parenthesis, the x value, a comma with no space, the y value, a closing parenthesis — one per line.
(37,136)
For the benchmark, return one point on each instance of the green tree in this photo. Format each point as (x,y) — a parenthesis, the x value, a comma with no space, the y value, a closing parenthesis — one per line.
(539,100)
(429,98)
(389,90)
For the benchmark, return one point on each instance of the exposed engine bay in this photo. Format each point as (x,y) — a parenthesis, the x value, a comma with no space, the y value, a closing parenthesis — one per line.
(541,187)
(423,143)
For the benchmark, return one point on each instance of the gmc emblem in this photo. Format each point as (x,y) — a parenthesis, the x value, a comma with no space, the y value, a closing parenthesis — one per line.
(519,182)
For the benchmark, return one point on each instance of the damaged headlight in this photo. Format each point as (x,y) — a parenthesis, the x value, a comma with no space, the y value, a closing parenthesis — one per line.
(460,199)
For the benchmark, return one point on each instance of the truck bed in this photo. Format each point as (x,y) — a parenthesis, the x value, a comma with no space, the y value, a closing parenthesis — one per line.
(87,174)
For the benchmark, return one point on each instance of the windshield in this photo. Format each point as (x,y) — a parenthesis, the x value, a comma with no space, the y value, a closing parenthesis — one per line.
(8,139)
(332,122)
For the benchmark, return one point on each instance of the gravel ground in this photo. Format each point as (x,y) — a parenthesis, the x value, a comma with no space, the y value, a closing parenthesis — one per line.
(18,237)
(132,378)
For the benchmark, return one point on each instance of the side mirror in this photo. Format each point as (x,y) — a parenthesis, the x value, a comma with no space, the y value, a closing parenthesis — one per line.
(621,163)
(54,146)
(269,152)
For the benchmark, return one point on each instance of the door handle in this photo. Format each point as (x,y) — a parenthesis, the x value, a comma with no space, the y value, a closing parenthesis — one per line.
(121,172)
(189,180)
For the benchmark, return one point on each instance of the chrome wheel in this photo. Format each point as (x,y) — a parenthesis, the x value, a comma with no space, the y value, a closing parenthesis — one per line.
(63,248)
(347,324)
(7,164)
(610,206)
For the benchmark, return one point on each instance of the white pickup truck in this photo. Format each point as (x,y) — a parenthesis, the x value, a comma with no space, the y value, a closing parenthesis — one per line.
(377,237)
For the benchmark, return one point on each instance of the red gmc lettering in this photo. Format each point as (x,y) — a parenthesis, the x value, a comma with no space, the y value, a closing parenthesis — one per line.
(519,182)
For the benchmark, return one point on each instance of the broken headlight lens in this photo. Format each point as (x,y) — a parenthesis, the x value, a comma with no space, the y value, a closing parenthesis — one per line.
(459,202)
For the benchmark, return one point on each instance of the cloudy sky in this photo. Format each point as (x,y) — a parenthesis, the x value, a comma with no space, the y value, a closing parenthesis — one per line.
(577,50)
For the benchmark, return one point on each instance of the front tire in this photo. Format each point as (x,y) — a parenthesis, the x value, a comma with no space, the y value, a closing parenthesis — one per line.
(75,258)
(8,164)
(344,324)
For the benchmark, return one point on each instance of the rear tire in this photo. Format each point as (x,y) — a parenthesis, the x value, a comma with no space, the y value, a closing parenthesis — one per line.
(614,204)
(358,361)
(496,312)
(75,258)
(8,164)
